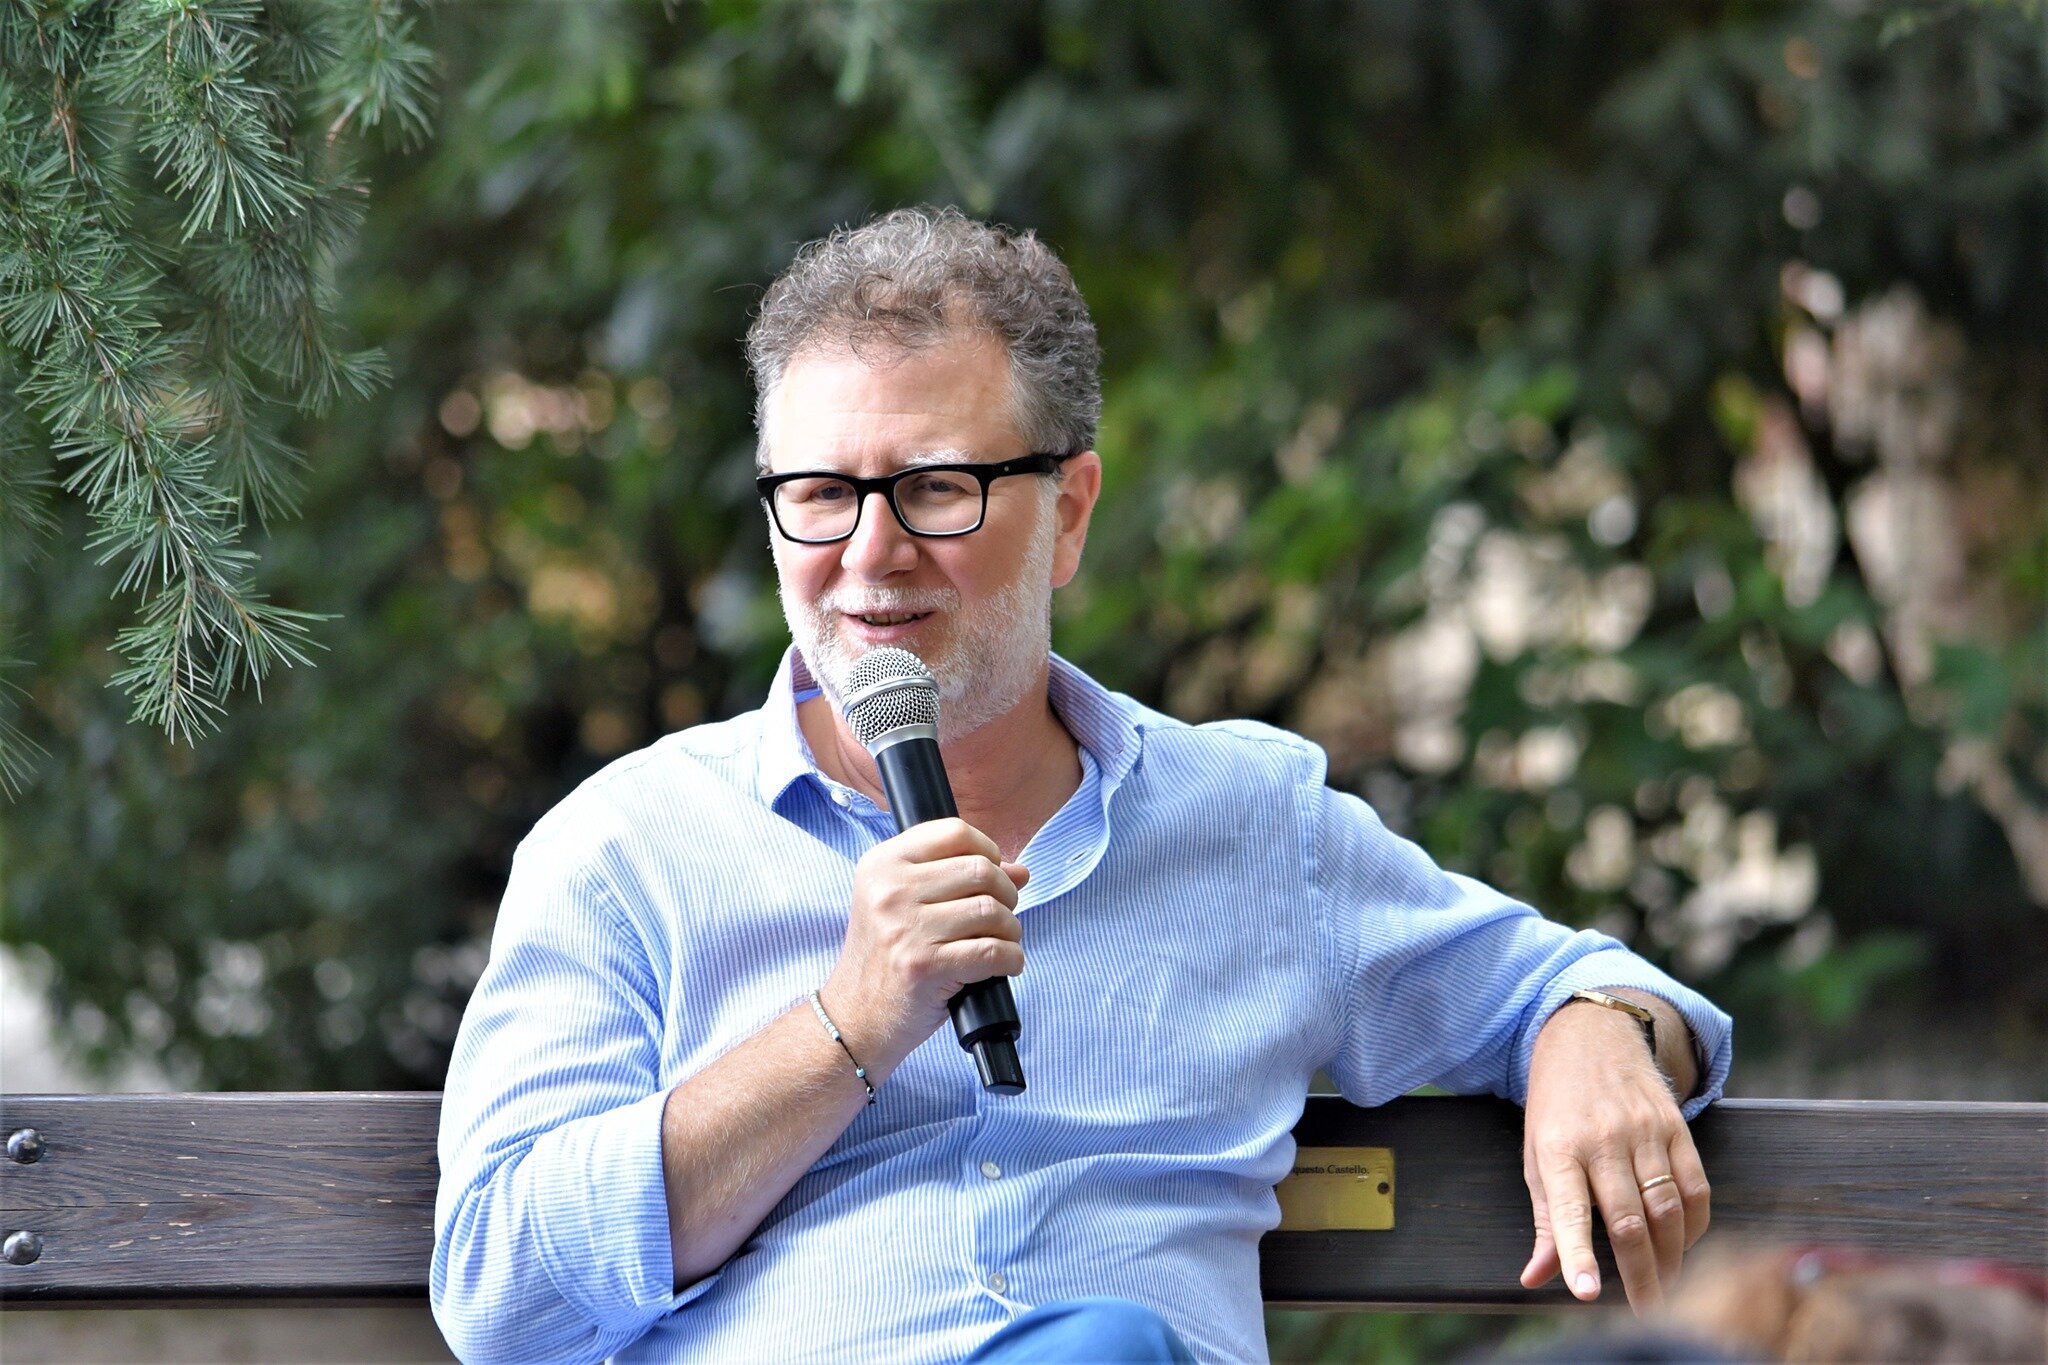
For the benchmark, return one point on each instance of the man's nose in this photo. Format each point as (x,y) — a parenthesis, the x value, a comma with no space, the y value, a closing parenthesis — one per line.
(879,546)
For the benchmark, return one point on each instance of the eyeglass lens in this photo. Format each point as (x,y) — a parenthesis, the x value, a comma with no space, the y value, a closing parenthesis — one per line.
(936,502)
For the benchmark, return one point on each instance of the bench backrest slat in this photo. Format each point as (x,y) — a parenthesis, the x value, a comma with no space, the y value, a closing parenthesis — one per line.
(151,1198)
(196,1196)
(1925,1179)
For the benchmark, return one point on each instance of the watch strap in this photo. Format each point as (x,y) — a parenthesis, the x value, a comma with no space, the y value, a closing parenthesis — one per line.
(1629,1007)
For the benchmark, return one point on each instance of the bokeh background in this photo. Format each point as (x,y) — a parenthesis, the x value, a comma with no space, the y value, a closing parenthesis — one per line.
(1617,432)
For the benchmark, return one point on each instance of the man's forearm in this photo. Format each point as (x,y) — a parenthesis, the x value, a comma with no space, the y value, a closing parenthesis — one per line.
(1675,1050)
(737,1135)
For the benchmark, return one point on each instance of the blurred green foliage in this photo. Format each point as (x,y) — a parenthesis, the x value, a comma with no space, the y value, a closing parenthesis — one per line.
(1503,395)
(1393,1338)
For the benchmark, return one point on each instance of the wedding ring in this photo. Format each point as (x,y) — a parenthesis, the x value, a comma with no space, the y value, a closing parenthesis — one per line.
(1654,1181)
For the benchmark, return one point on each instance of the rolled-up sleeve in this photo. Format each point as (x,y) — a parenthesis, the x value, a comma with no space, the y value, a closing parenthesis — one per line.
(551,1237)
(1446,981)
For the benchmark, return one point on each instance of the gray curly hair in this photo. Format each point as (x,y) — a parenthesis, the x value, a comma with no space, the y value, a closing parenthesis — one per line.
(909,279)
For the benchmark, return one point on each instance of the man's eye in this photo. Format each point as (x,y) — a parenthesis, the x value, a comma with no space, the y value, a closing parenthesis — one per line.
(941,485)
(818,491)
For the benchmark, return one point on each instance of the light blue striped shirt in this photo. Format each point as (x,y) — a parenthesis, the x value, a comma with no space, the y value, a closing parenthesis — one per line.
(1206,924)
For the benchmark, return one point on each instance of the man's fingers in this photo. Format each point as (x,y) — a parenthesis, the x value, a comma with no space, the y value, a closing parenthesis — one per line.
(973,917)
(961,878)
(1569,1205)
(977,959)
(1543,1256)
(948,838)
(1693,1188)
(1664,1206)
(1542,1262)
(1628,1230)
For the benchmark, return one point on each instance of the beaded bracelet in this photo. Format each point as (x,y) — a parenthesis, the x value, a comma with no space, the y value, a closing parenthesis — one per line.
(833,1029)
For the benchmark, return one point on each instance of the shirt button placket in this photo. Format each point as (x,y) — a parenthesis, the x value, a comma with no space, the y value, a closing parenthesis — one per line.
(995,1221)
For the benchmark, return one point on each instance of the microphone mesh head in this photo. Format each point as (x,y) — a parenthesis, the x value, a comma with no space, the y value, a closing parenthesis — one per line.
(888,689)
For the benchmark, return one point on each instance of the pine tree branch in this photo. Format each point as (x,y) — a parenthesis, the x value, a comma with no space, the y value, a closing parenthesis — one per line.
(160,322)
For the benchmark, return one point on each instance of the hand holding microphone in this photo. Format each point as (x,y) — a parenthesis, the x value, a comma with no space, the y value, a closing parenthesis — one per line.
(932,924)
(931,912)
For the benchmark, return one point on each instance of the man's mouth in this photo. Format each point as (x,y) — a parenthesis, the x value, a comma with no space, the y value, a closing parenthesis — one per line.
(888,618)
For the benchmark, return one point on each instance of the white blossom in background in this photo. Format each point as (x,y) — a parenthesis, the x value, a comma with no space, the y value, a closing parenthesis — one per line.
(1513,597)
(1743,879)
(1705,716)
(1889,384)
(232,1002)
(1854,649)
(1776,483)
(1200,514)
(1428,672)
(1546,756)
(1894,392)
(1902,525)
(1498,593)
(1978,765)
(33,1061)
(1605,858)
(1893,381)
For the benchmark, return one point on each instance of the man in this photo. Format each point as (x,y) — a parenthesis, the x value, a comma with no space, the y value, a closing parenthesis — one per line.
(702,1106)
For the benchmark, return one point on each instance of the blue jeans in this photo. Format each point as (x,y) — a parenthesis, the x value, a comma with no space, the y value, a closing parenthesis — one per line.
(1083,1331)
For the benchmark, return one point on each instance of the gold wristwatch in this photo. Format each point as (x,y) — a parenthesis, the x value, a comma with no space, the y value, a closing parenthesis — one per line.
(1629,1007)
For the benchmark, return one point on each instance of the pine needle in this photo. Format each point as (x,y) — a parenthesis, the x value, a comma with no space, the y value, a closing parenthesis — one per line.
(167,298)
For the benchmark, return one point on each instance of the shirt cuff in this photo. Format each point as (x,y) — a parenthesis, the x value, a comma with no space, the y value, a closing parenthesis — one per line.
(606,1244)
(1712,1030)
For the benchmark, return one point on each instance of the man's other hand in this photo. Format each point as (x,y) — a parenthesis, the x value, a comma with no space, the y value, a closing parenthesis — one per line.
(934,909)
(1600,1124)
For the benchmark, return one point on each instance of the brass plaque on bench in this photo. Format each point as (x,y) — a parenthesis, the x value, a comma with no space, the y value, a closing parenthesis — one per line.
(1338,1187)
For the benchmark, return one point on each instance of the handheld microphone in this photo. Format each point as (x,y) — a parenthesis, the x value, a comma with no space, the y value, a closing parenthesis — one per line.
(892,706)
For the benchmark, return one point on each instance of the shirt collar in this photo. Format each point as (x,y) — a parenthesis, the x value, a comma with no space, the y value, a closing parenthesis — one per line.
(1099,720)
(1104,723)
(783,755)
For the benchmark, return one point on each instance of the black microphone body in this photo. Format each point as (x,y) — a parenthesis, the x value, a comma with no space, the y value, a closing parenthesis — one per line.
(984,1012)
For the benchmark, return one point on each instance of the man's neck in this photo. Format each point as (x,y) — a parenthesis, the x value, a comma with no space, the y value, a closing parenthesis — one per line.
(1008,777)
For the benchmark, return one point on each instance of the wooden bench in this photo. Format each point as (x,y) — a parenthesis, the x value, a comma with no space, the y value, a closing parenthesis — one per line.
(113,1200)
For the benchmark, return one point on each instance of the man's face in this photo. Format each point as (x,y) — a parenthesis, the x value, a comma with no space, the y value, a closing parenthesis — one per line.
(975,608)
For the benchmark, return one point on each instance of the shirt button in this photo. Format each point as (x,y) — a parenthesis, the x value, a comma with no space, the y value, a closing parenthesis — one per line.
(997,1282)
(991,1170)
(843,797)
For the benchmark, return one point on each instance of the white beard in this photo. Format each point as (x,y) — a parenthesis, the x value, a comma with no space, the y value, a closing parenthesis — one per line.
(993,656)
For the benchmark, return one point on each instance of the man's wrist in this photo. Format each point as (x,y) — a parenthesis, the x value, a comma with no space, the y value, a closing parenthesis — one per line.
(1677,1053)
(1645,1019)
(853,1014)
(1580,1026)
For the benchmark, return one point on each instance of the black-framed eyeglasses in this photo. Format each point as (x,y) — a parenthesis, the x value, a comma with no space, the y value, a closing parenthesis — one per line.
(818,507)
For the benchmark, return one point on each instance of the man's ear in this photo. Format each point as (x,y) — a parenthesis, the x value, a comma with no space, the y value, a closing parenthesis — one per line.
(1080,485)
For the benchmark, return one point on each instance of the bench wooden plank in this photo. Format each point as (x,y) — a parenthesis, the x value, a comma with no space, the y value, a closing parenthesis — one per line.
(191,1198)
(1903,1177)
(230,1195)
